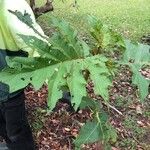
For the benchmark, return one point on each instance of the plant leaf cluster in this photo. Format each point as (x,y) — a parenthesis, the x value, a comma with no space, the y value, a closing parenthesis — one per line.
(62,65)
(68,62)
(97,129)
(137,56)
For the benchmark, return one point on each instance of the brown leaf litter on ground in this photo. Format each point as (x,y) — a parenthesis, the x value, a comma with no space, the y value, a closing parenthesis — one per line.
(57,131)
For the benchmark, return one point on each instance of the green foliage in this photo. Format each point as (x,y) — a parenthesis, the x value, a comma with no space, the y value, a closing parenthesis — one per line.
(91,136)
(38,119)
(26,19)
(66,62)
(104,37)
(62,65)
(98,129)
(136,56)
(91,104)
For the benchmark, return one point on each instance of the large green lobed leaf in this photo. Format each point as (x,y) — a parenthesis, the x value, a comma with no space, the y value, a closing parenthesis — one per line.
(136,57)
(60,64)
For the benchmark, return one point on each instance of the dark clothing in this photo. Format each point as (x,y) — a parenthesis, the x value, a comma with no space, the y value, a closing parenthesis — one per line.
(4,89)
(2,59)
(14,127)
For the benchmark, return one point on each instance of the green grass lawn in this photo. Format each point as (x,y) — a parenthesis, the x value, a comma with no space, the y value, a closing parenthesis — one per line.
(129,17)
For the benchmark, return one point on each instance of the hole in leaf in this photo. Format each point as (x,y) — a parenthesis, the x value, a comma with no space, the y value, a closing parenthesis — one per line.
(22,79)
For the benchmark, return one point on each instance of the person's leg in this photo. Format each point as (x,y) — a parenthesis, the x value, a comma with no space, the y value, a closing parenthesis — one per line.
(3,132)
(17,127)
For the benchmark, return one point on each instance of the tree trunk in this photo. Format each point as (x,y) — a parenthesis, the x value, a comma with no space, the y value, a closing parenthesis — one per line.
(41,10)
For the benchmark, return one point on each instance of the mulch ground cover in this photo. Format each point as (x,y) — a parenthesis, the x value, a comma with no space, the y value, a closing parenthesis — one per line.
(57,131)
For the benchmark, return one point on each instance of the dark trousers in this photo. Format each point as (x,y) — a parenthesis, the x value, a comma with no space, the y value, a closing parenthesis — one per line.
(14,127)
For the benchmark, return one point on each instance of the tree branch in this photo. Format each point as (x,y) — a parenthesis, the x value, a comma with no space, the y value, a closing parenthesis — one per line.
(38,11)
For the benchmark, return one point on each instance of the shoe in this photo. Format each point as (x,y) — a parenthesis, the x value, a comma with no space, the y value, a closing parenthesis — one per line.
(3,146)
(66,98)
